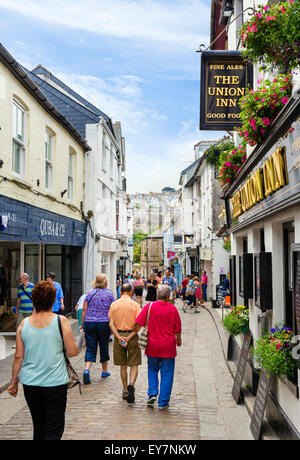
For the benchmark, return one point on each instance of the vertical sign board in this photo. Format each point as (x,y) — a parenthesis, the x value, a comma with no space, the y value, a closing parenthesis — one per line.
(224,79)
(260,405)
(239,377)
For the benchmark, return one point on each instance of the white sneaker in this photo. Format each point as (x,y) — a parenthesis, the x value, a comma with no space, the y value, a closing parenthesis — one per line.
(164,407)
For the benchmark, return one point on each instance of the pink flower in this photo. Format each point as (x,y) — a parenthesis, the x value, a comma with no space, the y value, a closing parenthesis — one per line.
(270,18)
(266,121)
(283,9)
(262,131)
(266,7)
(252,29)
(259,15)
(291,1)
(285,100)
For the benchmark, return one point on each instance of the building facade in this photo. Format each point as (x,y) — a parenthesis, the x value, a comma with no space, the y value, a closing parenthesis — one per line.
(42,192)
(265,231)
(106,201)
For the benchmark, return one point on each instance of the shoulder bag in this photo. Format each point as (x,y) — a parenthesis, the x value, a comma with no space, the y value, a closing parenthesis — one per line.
(73,377)
(143,338)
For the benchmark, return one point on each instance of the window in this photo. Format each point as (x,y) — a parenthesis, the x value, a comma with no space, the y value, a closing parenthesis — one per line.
(49,161)
(18,154)
(104,263)
(71,176)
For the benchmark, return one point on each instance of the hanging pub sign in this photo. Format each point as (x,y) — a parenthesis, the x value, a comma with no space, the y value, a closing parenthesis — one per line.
(224,79)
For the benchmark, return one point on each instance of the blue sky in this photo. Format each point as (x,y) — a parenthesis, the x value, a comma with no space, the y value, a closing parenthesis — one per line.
(135,60)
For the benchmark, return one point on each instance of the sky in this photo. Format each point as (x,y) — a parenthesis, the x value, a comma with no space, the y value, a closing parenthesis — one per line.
(135,60)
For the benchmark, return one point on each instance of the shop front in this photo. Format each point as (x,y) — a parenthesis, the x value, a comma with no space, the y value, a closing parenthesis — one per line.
(35,241)
(263,217)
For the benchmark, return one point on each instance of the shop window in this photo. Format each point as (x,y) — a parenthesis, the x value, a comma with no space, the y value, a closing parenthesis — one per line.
(18,153)
(32,262)
(49,143)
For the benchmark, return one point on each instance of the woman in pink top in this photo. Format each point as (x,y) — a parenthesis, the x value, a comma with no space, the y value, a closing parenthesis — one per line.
(204,285)
(138,287)
(164,334)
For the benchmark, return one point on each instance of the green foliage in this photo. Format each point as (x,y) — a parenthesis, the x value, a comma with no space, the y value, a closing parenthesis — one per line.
(260,107)
(273,353)
(237,320)
(232,162)
(227,243)
(214,153)
(137,238)
(272,36)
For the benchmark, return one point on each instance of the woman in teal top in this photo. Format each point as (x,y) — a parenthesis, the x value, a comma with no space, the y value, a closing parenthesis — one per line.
(39,359)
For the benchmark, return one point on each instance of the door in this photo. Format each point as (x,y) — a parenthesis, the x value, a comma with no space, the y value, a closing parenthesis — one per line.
(289,240)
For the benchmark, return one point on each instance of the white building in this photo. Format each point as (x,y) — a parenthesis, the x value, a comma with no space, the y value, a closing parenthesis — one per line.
(201,207)
(105,203)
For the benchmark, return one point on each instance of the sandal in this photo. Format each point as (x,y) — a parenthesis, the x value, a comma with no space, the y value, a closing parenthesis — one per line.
(183,310)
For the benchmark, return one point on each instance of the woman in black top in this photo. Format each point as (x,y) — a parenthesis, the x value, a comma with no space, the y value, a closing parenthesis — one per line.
(151,288)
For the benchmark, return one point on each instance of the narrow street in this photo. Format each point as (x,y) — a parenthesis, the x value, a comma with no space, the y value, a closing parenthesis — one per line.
(202,407)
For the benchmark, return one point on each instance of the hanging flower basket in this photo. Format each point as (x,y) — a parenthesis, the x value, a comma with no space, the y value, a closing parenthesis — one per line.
(260,107)
(231,164)
(212,155)
(273,353)
(237,320)
(272,36)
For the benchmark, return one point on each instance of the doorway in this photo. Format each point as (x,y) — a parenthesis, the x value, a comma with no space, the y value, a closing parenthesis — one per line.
(288,241)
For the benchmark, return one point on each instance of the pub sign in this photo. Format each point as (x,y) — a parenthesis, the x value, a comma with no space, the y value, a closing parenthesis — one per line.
(224,79)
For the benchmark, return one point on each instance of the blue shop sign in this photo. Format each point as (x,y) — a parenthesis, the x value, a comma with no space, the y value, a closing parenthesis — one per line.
(22,222)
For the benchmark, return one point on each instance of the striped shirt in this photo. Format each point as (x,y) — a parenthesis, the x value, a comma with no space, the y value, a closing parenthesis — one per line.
(25,302)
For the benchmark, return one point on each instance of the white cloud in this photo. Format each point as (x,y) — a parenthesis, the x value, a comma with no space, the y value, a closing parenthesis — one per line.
(178,24)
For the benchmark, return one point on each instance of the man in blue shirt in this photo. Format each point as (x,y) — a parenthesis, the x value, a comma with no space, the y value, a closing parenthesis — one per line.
(58,305)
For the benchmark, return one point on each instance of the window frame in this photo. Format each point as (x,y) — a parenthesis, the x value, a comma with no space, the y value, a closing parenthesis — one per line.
(71,174)
(49,142)
(16,142)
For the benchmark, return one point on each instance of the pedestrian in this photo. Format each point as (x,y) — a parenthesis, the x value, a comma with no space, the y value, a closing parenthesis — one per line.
(127,353)
(95,322)
(152,285)
(159,277)
(24,307)
(118,286)
(198,293)
(79,308)
(164,333)
(138,288)
(40,362)
(169,280)
(184,284)
(58,306)
(191,295)
(204,285)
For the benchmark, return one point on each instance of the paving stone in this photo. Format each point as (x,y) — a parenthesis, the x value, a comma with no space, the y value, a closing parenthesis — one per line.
(202,406)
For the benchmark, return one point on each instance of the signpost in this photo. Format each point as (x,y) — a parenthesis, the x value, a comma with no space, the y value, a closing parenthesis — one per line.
(224,78)
(239,377)
(260,405)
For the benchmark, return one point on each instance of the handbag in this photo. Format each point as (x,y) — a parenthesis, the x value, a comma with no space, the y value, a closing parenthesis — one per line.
(143,338)
(73,377)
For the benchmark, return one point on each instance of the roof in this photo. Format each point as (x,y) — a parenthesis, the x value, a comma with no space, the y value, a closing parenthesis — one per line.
(19,73)
(74,107)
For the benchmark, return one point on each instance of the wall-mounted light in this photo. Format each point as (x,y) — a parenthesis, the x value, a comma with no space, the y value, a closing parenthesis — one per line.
(228,10)
(62,193)
(1,163)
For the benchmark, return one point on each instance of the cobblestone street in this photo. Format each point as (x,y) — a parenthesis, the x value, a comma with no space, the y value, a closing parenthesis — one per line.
(201,405)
